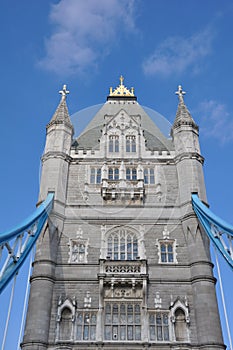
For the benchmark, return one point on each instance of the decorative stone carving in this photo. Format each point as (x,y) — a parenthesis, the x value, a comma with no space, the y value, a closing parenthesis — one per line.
(122,172)
(78,248)
(86,193)
(123,292)
(66,304)
(178,304)
(140,172)
(166,233)
(104,172)
(119,268)
(141,242)
(65,330)
(157,301)
(180,318)
(87,300)
(103,242)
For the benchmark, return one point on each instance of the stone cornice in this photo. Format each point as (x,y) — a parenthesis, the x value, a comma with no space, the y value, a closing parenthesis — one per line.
(56,154)
(189,155)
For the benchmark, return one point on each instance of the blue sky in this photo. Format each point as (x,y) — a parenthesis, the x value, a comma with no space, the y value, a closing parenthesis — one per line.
(155,44)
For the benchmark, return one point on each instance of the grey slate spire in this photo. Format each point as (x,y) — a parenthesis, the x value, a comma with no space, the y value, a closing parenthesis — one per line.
(61,115)
(183,116)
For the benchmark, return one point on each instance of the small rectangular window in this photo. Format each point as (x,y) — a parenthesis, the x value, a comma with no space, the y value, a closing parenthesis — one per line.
(158,326)
(131,174)
(130,144)
(152,176)
(86,326)
(113,174)
(149,176)
(95,176)
(92,176)
(113,145)
(167,252)
(98,176)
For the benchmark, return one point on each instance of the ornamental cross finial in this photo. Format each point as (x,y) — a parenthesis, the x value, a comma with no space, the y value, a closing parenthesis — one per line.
(121,79)
(64,92)
(180,93)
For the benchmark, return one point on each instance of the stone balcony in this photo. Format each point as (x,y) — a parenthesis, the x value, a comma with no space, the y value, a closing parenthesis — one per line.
(123,269)
(123,189)
(123,274)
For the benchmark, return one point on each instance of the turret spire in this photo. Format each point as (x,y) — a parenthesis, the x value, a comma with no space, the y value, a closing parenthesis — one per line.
(61,114)
(183,116)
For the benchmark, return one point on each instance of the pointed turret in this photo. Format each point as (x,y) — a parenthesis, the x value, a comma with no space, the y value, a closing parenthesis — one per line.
(183,116)
(61,115)
(59,133)
(189,160)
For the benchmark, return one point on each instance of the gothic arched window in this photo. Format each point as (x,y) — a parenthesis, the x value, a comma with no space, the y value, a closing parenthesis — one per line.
(122,245)
(66,324)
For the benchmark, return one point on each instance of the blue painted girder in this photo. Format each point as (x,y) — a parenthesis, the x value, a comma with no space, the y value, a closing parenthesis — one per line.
(16,244)
(219,232)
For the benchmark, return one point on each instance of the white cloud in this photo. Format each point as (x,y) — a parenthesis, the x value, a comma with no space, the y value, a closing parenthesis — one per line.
(83,33)
(177,54)
(216,122)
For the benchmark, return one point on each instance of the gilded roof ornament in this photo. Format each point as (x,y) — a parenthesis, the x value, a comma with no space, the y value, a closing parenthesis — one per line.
(121,90)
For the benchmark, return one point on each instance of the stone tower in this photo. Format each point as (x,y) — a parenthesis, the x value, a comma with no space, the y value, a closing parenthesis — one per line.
(122,262)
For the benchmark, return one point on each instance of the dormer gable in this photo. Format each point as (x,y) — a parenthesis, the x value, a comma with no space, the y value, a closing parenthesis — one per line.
(122,121)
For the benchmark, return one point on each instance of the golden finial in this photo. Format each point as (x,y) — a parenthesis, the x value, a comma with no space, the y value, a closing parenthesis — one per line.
(121,90)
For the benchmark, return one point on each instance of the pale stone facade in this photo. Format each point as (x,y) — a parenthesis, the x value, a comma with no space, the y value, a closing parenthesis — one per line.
(123,262)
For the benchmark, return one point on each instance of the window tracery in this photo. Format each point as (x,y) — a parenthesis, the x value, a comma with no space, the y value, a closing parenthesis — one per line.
(86,325)
(122,245)
(122,321)
(159,326)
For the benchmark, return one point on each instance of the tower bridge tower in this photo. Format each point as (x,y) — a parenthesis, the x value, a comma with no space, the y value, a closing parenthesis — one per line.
(123,262)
